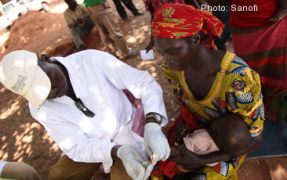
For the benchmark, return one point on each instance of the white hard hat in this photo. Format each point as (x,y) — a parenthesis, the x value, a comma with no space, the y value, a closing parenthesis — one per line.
(20,73)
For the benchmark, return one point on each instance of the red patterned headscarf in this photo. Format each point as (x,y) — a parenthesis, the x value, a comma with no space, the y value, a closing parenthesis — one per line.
(175,20)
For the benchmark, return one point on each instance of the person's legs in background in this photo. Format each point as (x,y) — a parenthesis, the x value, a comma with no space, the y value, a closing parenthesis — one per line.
(115,34)
(77,39)
(18,170)
(130,5)
(110,29)
(81,31)
(121,10)
(106,40)
(86,27)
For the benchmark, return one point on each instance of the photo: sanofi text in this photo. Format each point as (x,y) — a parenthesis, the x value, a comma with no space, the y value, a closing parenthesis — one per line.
(232,7)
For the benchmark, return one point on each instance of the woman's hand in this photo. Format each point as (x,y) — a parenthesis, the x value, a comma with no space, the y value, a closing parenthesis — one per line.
(181,130)
(187,159)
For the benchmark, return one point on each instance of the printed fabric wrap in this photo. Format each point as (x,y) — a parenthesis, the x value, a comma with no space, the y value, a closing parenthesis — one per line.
(175,20)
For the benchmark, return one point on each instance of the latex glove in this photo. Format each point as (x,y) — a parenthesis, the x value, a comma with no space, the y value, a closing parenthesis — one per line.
(148,170)
(132,161)
(156,143)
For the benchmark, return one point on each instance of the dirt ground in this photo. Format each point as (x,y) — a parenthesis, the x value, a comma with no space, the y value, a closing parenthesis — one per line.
(23,139)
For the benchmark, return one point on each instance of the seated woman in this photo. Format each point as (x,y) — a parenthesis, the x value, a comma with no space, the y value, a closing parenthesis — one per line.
(210,84)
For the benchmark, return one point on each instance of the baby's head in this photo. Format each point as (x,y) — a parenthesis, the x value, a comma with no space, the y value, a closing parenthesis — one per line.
(230,133)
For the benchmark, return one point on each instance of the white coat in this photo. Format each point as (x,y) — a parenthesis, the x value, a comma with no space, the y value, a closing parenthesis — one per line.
(98,79)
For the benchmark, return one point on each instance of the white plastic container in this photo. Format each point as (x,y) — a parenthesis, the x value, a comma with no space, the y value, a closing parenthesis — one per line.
(146,56)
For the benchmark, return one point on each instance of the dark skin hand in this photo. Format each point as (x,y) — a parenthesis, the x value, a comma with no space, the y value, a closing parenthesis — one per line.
(72,4)
(186,158)
(181,131)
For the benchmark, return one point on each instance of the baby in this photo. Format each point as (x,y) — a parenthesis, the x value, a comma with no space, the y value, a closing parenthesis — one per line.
(228,133)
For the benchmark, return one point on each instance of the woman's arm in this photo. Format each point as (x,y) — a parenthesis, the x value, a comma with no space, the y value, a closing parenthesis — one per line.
(222,156)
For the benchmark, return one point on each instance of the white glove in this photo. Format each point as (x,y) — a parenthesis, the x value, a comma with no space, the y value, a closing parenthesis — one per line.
(132,161)
(148,170)
(156,143)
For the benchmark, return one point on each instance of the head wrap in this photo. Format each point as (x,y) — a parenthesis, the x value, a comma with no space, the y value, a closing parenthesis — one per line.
(175,20)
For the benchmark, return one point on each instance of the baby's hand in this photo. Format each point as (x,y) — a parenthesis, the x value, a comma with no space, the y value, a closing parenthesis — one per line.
(174,152)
